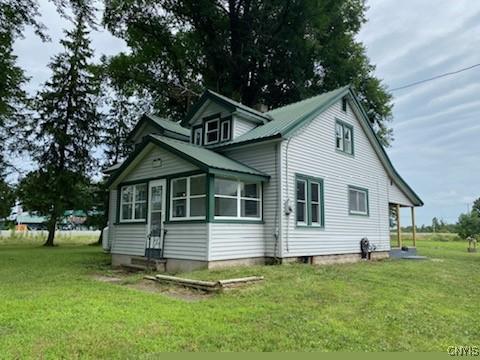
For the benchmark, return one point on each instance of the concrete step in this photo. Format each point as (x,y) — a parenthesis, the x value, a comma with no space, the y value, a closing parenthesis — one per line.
(143,263)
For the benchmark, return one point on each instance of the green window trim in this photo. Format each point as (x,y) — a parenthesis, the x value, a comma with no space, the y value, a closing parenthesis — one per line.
(210,201)
(309,180)
(344,144)
(357,213)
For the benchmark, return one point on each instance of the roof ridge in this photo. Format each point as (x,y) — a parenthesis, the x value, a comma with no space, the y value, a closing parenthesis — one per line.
(307,99)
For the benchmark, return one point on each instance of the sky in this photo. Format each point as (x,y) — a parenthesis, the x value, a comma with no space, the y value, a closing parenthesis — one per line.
(436,125)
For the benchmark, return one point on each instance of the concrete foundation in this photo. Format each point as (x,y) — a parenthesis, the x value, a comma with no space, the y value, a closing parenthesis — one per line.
(219,264)
(334,258)
(182,265)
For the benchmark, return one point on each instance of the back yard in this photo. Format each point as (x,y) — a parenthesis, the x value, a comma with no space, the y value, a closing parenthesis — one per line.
(52,302)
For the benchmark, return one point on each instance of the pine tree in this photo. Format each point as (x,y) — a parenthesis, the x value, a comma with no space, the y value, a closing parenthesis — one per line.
(66,131)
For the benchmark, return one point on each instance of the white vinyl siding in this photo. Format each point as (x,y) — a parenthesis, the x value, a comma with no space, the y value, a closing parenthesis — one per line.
(312,152)
(236,241)
(255,236)
(186,241)
(183,241)
(241,126)
(169,164)
(396,196)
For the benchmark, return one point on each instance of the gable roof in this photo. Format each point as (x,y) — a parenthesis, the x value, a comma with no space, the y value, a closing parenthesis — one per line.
(162,124)
(230,104)
(287,119)
(205,159)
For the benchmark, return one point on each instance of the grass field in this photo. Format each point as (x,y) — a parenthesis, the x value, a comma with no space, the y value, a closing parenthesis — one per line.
(52,304)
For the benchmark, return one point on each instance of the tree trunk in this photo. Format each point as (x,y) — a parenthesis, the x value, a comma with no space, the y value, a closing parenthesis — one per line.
(52,224)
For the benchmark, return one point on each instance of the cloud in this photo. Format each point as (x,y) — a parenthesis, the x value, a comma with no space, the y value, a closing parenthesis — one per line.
(436,124)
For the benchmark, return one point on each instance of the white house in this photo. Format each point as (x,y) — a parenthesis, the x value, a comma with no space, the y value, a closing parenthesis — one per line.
(232,185)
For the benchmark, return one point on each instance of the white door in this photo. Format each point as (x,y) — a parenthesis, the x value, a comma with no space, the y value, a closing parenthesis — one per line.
(156,219)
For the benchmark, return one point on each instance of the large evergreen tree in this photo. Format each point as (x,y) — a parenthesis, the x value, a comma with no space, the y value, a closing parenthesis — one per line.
(66,131)
(272,52)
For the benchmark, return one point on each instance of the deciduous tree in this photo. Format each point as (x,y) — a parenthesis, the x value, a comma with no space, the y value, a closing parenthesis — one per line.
(272,52)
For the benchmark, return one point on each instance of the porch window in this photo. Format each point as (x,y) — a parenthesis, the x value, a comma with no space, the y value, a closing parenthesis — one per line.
(358,201)
(212,131)
(188,199)
(133,203)
(344,137)
(237,200)
(309,201)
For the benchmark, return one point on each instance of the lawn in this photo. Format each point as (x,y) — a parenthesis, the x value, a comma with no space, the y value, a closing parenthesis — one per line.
(53,304)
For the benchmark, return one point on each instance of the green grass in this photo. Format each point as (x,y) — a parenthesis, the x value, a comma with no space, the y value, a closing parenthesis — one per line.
(51,306)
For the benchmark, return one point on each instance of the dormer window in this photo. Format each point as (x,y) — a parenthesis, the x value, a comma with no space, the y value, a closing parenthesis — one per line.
(197,136)
(212,131)
(225,130)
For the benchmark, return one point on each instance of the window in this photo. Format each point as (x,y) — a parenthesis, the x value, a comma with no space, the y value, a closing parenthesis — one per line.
(133,203)
(212,131)
(301,201)
(344,104)
(344,137)
(309,201)
(237,200)
(357,201)
(188,200)
(225,130)
(197,136)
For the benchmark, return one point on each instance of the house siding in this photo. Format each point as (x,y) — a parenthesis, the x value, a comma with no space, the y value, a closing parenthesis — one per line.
(211,108)
(171,164)
(236,241)
(396,196)
(129,239)
(186,241)
(312,152)
(241,127)
(256,239)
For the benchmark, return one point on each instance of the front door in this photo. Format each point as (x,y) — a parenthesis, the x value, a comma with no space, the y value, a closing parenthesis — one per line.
(156,219)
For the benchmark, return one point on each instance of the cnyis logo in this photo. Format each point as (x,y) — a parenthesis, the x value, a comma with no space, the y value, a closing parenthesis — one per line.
(463,350)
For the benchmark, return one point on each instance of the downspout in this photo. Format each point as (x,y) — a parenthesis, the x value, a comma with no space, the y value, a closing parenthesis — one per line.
(287,202)
(278,220)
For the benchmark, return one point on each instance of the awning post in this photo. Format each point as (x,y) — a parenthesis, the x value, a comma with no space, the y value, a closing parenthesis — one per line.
(414,228)
(399,230)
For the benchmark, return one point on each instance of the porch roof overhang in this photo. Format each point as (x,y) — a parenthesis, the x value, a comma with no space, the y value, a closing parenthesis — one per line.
(206,160)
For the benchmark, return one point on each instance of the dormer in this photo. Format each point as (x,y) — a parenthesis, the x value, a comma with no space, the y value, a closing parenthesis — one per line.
(153,125)
(216,119)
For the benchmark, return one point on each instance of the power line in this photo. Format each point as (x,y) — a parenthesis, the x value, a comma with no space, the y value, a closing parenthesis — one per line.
(435,77)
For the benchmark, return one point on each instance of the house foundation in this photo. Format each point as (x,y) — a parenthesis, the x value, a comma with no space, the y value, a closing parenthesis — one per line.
(182,265)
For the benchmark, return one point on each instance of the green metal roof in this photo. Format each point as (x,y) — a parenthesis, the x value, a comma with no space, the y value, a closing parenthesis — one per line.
(27,218)
(162,124)
(202,156)
(207,160)
(288,118)
(169,125)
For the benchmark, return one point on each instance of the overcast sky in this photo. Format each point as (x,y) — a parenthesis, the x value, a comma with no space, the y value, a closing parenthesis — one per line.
(436,125)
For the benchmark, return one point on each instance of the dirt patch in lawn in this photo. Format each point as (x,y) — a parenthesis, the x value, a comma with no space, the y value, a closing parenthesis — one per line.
(108,279)
(176,292)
